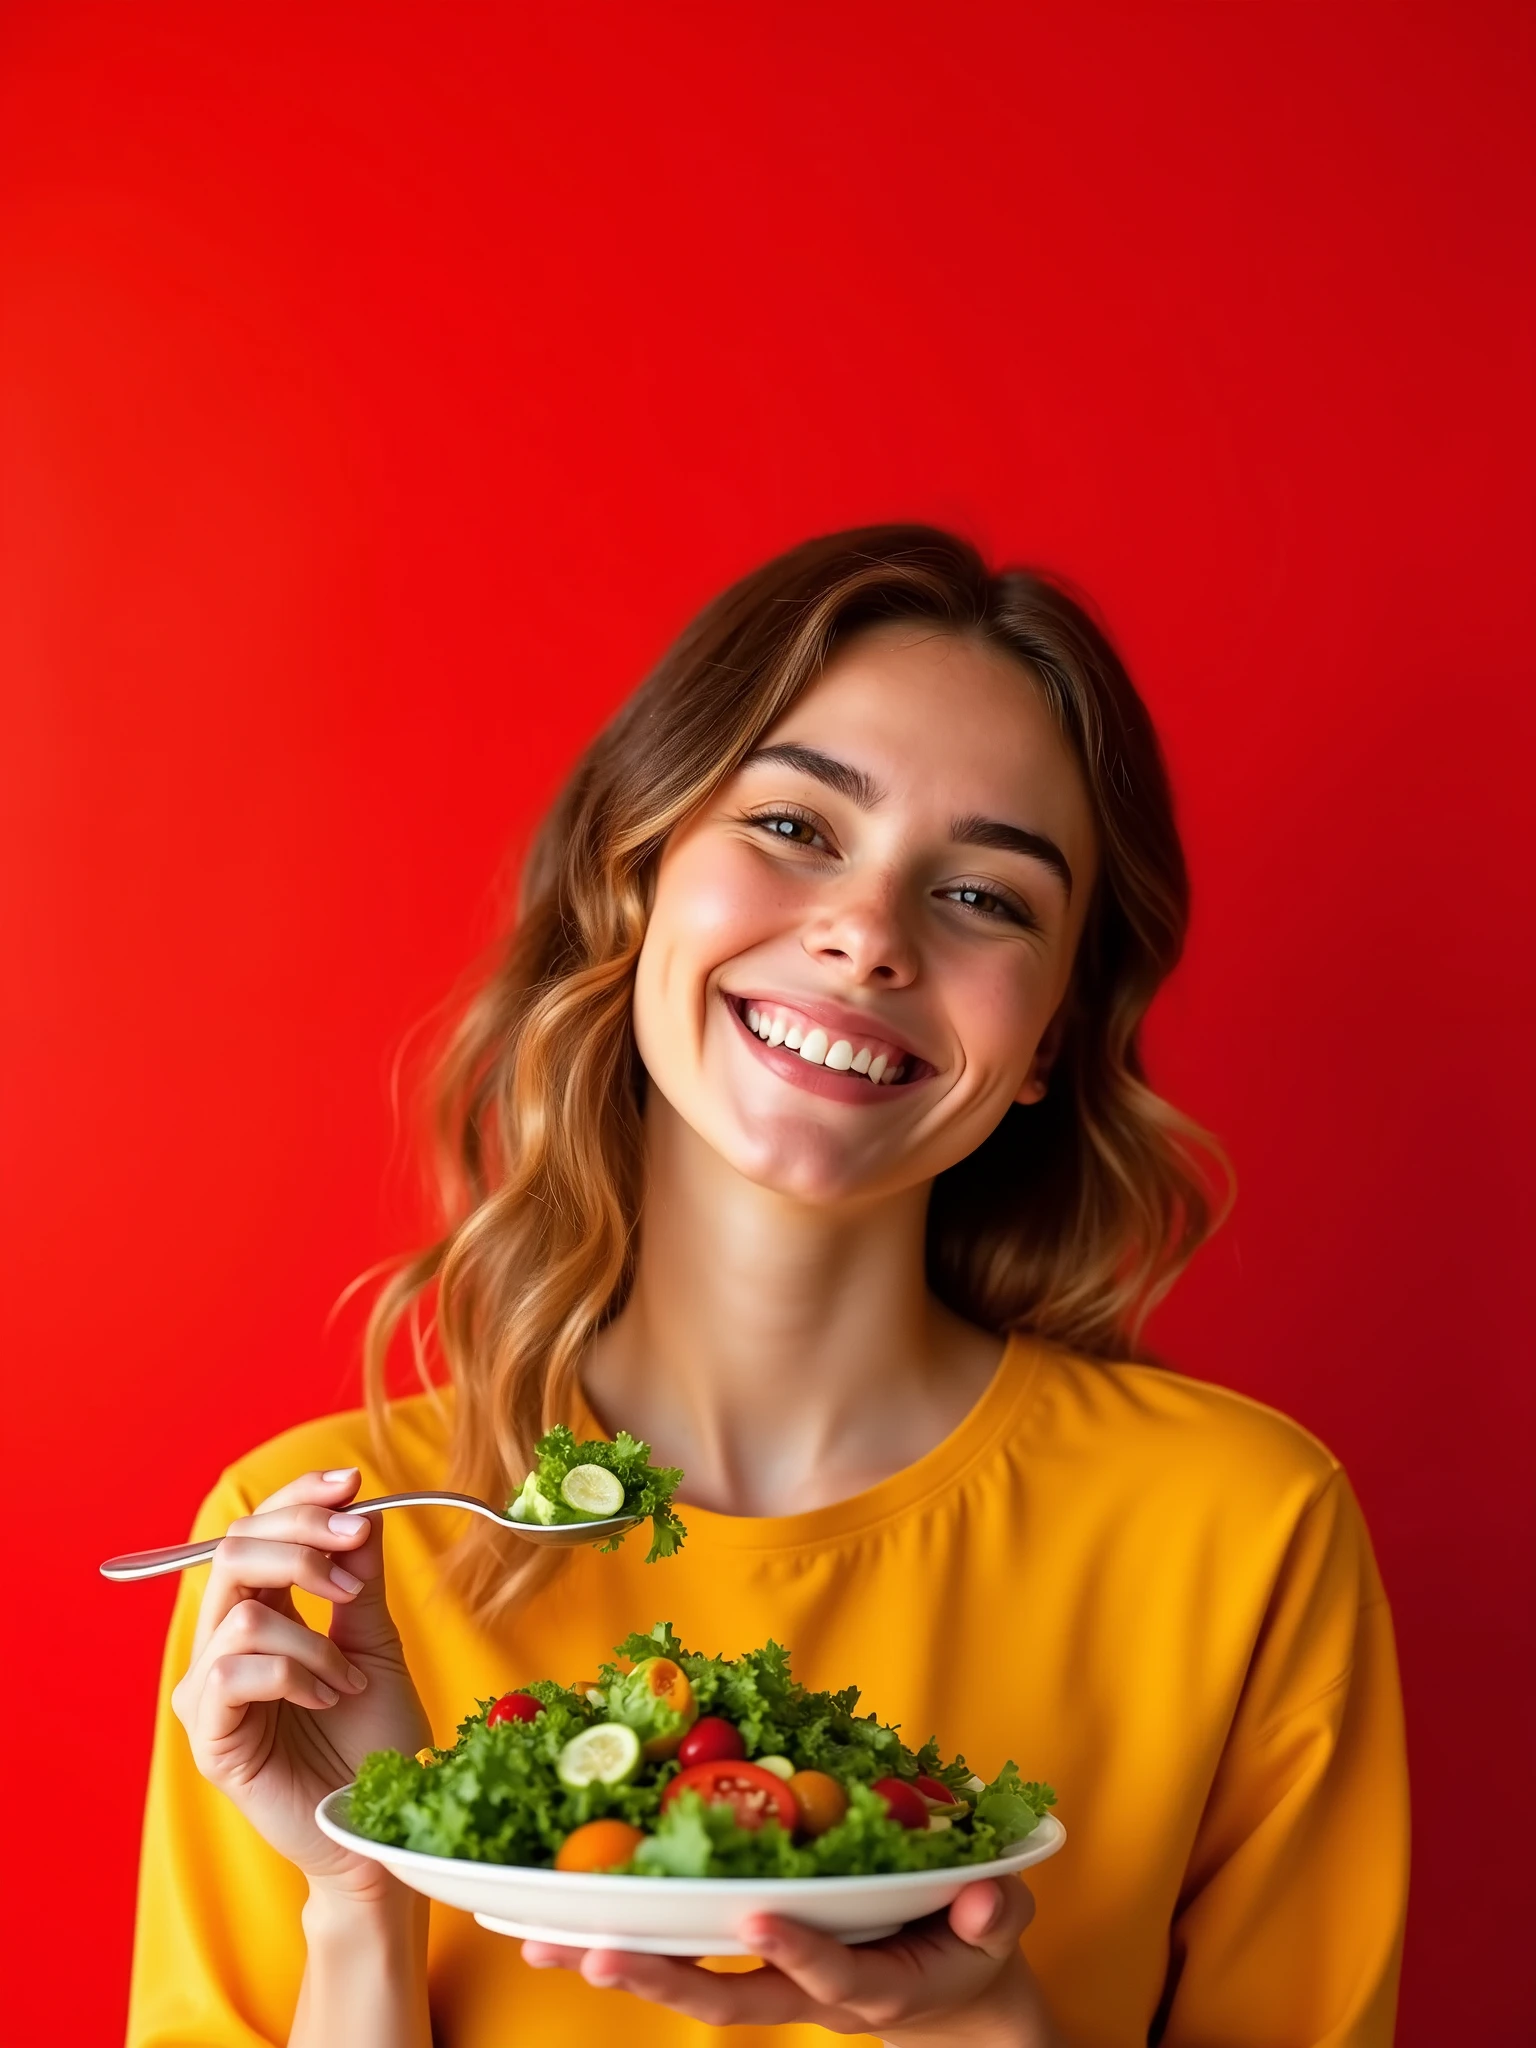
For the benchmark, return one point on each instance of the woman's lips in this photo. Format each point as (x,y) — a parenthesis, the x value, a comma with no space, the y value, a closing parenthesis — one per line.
(835,1059)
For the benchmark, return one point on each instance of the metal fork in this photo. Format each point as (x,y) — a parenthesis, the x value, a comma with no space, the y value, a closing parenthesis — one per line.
(175,1557)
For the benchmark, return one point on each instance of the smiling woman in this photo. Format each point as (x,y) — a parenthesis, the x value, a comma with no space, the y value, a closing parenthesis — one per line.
(802,1129)
(809,780)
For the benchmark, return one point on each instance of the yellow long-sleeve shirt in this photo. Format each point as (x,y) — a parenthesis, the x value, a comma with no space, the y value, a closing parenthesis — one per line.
(1154,1594)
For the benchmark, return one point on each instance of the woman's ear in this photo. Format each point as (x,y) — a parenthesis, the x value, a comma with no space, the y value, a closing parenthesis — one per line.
(1038,1077)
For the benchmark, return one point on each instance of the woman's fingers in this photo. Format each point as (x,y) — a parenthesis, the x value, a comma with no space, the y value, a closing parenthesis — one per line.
(329,1489)
(363,1624)
(243,1565)
(761,1999)
(322,1528)
(824,1969)
(930,1965)
(934,1966)
(253,1635)
(233,1683)
(293,1544)
(992,1916)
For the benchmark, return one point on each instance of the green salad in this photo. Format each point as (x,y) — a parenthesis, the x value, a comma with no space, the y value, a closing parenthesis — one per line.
(670,1764)
(594,1481)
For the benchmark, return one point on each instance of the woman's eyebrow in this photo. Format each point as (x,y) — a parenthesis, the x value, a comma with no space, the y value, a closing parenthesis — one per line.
(1013,839)
(848,781)
(863,790)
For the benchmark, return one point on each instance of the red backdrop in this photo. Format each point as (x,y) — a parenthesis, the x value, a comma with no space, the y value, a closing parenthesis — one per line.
(383,386)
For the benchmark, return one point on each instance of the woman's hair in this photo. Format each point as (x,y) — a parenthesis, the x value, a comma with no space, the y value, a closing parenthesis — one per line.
(1068,1222)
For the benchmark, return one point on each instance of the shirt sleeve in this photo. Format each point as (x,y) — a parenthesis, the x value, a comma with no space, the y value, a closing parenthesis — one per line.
(1288,1932)
(218,1948)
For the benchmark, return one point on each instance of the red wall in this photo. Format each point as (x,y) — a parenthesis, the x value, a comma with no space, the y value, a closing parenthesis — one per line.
(380,388)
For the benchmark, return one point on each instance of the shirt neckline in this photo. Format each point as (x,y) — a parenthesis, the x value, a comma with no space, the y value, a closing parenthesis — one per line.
(953,1456)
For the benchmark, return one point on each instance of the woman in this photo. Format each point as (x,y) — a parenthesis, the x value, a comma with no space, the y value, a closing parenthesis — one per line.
(883,1312)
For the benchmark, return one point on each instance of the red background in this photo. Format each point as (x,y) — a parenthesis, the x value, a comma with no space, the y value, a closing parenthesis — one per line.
(383,386)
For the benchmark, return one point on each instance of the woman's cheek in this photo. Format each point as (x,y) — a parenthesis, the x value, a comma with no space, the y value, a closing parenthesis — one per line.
(717,902)
(705,913)
(1002,1015)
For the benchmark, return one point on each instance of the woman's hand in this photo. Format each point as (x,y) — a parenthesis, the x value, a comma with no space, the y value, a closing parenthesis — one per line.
(279,1715)
(958,1978)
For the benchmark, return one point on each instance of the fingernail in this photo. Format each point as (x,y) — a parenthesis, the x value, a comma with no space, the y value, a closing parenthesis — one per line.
(356,1678)
(763,1944)
(345,1580)
(347,1525)
(328,1694)
(341,1472)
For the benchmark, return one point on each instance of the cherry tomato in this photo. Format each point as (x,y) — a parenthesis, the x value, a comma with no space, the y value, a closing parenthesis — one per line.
(598,1846)
(904,1801)
(711,1741)
(513,1706)
(823,1802)
(932,1789)
(753,1796)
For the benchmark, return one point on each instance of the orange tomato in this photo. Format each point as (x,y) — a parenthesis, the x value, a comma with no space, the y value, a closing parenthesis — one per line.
(599,1845)
(822,1801)
(667,1682)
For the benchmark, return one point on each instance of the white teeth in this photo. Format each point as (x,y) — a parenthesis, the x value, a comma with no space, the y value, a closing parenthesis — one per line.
(819,1048)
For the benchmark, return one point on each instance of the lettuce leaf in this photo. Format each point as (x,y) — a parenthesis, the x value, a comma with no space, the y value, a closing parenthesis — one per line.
(1012,1807)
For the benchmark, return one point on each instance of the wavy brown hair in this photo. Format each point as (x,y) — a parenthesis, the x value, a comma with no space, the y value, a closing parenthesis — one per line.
(1068,1222)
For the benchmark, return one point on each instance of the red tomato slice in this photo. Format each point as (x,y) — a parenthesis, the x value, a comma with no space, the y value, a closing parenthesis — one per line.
(513,1706)
(753,1796)
(932,1789)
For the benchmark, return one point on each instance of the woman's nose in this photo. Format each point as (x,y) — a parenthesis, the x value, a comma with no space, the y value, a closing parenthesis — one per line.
(863,934)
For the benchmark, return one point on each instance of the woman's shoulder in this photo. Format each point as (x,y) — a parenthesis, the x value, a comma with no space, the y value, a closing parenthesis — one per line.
(415,1454)
(1187,1432)
(1181,1469)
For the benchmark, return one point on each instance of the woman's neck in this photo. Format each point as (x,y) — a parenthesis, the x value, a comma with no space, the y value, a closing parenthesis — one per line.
(784,1356)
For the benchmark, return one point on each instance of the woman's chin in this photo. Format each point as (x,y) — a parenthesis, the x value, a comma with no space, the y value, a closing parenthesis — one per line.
(804,1165)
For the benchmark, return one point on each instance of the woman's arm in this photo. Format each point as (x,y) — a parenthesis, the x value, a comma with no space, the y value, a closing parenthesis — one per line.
(365,1973)
(236,1879)
(1291,1921)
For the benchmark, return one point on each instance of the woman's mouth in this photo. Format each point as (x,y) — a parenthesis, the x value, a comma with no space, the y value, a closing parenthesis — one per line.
(862,1062)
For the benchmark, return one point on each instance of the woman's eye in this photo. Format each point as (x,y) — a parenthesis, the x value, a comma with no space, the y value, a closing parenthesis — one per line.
(986,903)
(787,826)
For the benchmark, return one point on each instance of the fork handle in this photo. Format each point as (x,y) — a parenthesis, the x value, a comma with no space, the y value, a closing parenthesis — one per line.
(175,1557)
(149,1564)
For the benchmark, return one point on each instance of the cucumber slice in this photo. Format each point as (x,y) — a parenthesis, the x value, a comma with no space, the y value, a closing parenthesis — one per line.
(592,1490)
(780,1766)
(608,1754)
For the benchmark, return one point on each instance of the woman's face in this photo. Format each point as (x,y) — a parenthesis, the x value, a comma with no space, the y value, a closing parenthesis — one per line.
(858,946)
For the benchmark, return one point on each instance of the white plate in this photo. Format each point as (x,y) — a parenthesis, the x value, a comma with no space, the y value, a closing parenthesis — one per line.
(674,1916)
